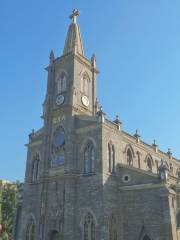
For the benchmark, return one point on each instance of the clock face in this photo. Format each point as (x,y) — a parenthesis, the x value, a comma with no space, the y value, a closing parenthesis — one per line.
(85,101)
(59,99)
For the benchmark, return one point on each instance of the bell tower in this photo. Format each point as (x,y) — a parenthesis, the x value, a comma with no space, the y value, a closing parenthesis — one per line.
(72,77)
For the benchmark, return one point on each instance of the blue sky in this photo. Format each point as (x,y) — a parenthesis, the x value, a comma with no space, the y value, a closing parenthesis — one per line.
(137,44)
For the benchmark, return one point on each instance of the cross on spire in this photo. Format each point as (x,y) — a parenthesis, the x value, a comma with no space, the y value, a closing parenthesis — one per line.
(74,15)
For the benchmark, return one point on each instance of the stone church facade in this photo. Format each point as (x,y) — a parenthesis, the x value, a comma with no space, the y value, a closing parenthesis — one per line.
(87,179)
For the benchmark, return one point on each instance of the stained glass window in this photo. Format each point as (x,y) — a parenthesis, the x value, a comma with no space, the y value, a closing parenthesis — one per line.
(58,147)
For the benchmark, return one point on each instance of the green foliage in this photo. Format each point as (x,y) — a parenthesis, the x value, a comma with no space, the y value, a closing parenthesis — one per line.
(173,187)
(7,202)
(4,236)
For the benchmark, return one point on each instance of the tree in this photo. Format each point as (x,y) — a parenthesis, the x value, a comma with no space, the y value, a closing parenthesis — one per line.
(7,202)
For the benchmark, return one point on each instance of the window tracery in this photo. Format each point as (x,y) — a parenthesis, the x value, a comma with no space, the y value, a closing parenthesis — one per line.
(85,84)
(89,227)
(30,231)
(89,158)
(58,147)
(35,168)
(62,83)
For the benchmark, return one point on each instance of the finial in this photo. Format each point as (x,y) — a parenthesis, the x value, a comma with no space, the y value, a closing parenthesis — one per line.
(96,106)
(51,57)
(74,15)
(101,115)
(118,122)
(93,60)
(155,145)
(169,152)
(137,136)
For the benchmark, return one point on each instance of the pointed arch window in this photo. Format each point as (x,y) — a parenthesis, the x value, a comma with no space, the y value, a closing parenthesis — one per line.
(129,157)
(111,158)
(58,147)
(89,158)
(89,227)
(35,168)
(85,84)
(112,228)
(149,162)
(178,219)
(62,83)
(178,172)
(30,231)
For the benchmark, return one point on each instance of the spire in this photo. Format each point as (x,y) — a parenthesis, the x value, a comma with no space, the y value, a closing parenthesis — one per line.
(73,40)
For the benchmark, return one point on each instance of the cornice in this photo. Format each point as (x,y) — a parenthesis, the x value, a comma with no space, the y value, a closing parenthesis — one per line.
(36,143)
(142,187)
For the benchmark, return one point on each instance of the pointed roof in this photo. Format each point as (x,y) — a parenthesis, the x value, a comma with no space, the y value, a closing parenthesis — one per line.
(73,40)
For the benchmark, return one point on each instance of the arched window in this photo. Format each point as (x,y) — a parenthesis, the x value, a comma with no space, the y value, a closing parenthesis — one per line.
(30,231)
(62,83)
(178,219)
(111,158)
(58,147)
(129,157)
(112,228)
(89,227)
(146,238)
(149,164)
(35,168)
(178,173)
(89,158)
(85,84)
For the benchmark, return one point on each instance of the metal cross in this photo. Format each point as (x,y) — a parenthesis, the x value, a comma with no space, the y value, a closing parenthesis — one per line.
(74,15)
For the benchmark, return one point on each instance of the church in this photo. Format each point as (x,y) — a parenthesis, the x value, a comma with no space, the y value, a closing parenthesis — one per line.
(86,178)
